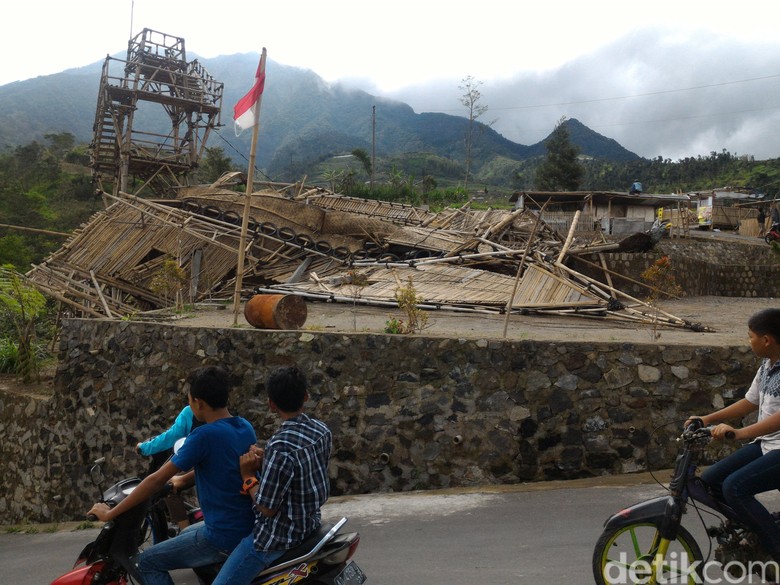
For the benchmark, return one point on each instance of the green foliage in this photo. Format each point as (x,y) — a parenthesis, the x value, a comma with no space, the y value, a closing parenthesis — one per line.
(169,281)
(21,305)
(408,301)
(213,166)
(364,159)
(394,326)
(560,170)
(36,192)
(9,356)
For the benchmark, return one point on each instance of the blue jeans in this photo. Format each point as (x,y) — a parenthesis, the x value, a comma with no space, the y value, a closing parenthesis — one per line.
(189,549)
(245,562)
(736,480)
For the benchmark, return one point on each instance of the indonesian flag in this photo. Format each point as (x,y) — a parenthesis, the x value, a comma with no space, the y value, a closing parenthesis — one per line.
(245,111)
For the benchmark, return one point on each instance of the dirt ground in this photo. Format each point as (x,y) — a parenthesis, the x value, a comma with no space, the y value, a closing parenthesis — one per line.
(726,318)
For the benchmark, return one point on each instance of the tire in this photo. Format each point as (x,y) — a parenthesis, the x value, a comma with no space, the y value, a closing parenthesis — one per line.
(232,217)
(323,246)
(769,238)
(304,241)
(341,253)
(286,234)
(267,228)
(618,549)
(212,211)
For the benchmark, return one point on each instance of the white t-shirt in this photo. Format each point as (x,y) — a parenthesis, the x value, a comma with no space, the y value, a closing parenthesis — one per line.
(765,392)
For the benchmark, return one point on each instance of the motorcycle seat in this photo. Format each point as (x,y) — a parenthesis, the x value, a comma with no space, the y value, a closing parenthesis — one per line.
(308,543)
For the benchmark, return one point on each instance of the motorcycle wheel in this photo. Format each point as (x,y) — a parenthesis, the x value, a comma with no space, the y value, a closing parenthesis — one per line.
(769,238)
(625,555)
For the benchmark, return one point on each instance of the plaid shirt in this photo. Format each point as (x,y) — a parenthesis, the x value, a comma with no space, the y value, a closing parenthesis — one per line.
(294,481)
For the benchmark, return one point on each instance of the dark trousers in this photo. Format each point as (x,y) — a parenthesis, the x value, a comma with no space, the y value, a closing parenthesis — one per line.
(736,480)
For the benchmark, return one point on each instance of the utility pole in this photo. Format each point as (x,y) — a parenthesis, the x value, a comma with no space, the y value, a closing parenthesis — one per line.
(373,144)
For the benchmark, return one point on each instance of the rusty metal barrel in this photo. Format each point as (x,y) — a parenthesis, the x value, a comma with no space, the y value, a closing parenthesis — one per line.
(275,311)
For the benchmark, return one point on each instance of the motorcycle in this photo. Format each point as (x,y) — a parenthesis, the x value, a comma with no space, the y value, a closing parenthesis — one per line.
(646,542)
(323,558)
(773,234)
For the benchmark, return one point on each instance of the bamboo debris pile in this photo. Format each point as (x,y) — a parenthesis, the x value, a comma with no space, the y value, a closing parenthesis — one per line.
(317,244)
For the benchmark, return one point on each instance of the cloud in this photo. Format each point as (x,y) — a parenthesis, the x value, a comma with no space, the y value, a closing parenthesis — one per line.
(658,92)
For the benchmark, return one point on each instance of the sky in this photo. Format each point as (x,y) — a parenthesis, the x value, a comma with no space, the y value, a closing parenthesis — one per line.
(664,78)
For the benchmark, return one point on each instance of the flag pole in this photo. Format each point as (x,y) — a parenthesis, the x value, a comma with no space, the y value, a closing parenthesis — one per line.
(250,185)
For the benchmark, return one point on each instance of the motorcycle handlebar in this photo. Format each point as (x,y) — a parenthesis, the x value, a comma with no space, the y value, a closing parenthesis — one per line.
(92,517)
(695,427)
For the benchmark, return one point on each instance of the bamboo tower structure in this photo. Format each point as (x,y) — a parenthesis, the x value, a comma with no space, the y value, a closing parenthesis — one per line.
(132,151)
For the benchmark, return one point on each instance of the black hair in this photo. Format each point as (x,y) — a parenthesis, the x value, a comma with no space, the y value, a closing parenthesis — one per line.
(766,322)
(286,387)
(210,384)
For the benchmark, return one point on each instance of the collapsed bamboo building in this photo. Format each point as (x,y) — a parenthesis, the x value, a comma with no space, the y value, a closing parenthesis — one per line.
(323,246)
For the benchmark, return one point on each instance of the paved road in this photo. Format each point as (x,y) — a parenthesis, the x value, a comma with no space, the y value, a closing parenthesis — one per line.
(534,534)
(521,535)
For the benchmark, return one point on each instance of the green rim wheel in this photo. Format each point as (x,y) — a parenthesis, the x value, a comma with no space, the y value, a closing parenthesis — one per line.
(625,556)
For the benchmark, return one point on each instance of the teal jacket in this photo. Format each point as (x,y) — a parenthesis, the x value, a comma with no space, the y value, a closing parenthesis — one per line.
(181,428)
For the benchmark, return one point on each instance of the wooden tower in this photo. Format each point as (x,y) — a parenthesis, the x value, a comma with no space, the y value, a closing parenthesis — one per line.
(136,148)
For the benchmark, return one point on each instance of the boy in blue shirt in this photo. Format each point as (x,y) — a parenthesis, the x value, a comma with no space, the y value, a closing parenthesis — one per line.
(212,451)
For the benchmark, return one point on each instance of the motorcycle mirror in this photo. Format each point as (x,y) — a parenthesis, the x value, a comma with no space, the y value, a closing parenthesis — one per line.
(96,471)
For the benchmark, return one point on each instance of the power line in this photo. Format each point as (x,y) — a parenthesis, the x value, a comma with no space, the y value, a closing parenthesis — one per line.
(650,93)
(636,95)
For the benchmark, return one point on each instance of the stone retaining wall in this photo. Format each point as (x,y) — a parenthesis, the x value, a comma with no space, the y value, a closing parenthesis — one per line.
(700,267)
(407,412)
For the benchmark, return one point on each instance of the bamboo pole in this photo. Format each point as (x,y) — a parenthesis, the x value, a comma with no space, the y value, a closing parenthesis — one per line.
(100,294)
(34,230)
(569,238)
(520,269)
(250,182)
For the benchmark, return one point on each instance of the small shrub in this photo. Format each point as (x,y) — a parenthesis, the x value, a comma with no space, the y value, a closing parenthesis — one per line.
(660,276)
(394,325)
(9,356)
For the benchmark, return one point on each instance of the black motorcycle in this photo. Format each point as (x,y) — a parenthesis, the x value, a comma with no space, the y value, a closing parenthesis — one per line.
(324,558)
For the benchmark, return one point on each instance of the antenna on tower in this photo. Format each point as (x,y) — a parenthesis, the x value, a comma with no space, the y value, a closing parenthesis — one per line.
(132,10)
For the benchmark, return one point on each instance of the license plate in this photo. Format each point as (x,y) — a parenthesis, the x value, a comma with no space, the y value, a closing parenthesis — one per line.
(350,575)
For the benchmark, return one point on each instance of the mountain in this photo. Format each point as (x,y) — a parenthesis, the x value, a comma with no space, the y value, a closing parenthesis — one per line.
(304,120)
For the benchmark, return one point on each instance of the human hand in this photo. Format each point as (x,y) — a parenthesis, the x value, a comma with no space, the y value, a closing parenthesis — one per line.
(178,483)
(251,461)
(100,511)
(699,421)
(723,431)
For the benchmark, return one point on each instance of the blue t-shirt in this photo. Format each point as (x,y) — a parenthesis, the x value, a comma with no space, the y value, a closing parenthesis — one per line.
(213,450)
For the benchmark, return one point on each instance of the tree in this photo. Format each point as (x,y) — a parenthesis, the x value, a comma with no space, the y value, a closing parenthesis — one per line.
(560,170)
(213,166)
(364,159)
(471,99)
(60,144)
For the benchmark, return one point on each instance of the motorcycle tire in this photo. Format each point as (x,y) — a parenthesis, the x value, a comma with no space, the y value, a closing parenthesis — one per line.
(769,238)
(624,554)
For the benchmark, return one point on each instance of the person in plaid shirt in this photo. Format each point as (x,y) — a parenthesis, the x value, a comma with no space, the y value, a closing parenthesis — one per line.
(292,485)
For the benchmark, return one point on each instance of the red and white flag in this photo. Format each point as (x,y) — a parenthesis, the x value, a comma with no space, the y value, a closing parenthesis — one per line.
(245,111)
